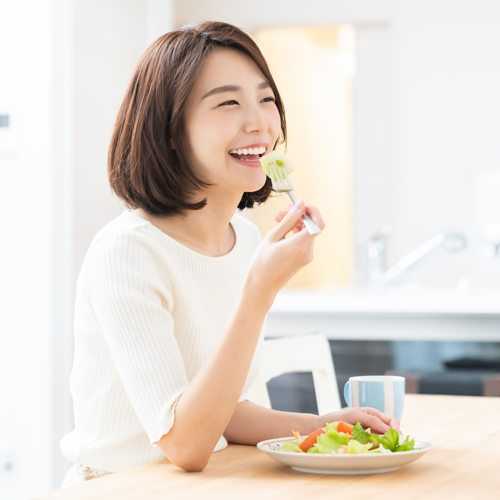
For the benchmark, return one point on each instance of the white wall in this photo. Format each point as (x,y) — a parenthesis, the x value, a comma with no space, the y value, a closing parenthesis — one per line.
(25,264)
(110,37)
(64,67)
(442,115)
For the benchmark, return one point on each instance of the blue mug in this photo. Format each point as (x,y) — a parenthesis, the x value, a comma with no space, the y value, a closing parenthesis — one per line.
(386,393)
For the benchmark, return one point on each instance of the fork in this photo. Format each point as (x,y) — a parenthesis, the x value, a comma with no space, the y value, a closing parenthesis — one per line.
(281,184)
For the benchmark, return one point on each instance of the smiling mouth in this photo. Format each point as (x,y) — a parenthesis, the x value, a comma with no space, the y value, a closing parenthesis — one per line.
(248,154)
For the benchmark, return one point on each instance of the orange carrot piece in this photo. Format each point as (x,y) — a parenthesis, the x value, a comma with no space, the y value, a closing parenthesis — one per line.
(344,427)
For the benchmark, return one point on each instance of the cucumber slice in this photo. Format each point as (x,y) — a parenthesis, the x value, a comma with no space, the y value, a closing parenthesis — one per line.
(279,159)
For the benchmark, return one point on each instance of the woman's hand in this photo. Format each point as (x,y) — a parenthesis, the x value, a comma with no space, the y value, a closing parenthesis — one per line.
(278,258)
(280,215)
(377,421)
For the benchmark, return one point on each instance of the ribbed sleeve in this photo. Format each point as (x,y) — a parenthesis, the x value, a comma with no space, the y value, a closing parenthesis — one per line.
(127,288)
(148,314)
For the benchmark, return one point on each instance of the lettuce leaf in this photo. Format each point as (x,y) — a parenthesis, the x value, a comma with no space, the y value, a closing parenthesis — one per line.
(331,427)
(328,442)
(407,445)
(390,441)
(359,434)
(291,446)
(355,447)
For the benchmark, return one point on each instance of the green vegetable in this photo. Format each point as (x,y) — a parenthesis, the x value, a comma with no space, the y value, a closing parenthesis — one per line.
(279,159)
(330,441)
(362,442)
(390,441)
(355,447)
(407,445)
(291,446)
(331,427)
(359,434)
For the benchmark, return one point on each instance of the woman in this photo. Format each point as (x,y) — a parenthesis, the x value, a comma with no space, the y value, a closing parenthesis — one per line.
(173,293)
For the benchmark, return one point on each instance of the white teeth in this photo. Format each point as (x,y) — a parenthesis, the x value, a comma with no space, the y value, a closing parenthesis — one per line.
(249,151)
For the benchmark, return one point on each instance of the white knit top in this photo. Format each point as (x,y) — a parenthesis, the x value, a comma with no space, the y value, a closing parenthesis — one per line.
(148,313)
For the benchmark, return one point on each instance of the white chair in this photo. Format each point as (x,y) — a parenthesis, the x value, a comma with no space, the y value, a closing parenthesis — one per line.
(300,353)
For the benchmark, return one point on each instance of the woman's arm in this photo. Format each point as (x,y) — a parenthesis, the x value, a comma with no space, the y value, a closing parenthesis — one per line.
(252,423)
(205,408)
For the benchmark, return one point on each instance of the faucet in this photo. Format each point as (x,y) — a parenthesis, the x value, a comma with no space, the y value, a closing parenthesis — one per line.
(380,276)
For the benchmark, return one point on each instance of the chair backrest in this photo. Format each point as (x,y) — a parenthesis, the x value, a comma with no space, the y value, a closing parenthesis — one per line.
(299,353)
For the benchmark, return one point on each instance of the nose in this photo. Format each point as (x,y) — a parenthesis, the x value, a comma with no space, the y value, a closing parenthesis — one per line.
(255,120)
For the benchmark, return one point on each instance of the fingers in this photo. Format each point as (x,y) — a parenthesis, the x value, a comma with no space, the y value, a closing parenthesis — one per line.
(312,211)
(288,222)
(278,217)
(394,423)
(373,422)
(387,419)
(315,215)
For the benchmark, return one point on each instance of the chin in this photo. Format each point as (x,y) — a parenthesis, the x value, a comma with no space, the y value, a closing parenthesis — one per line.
(252,187)
(256,183)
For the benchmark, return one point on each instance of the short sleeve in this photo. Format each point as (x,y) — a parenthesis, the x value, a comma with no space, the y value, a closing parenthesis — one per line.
(128,287)
(244,397)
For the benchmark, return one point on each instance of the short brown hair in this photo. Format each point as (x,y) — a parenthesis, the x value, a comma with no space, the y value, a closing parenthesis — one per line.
(144,170)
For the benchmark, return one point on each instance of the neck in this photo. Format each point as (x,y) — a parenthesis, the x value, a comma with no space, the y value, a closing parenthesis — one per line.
(206,231)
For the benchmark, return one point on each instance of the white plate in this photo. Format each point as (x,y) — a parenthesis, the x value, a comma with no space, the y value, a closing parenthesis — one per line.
(365,463)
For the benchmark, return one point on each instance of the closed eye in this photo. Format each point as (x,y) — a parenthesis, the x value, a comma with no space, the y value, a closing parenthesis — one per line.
(229,103)
(232,101)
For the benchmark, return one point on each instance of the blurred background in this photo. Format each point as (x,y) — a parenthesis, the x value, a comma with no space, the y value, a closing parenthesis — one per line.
(393,111)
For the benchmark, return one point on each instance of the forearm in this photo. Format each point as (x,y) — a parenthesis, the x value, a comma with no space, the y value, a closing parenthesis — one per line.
(208,403)
(252,423)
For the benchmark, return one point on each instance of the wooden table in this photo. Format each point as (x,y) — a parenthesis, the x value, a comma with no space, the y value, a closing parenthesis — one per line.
(465,463)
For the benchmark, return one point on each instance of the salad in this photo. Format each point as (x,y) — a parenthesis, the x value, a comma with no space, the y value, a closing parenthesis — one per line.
(340,438)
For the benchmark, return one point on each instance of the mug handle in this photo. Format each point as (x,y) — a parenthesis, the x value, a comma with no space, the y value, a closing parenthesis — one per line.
(347,395)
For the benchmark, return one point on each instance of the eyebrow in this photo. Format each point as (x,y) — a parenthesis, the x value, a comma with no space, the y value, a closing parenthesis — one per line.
(233,88)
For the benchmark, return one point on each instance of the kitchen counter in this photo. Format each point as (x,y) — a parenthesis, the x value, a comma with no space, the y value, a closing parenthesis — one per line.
(392,300)
(398,313)
(465,432)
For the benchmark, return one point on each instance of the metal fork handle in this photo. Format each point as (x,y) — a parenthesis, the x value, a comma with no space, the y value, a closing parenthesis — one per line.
(308,222)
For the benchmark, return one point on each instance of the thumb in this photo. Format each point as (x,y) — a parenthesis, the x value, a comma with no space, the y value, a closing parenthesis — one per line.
(289,222)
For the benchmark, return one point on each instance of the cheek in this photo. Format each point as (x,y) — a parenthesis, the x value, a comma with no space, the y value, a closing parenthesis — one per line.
(212,135)
(274,124)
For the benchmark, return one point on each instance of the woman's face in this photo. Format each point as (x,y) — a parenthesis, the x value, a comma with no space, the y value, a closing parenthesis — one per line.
(230,110)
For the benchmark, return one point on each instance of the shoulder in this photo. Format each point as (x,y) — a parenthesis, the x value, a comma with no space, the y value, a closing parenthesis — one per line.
(126,259)
(127,224)
(126,239)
